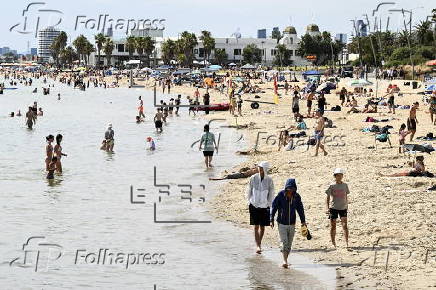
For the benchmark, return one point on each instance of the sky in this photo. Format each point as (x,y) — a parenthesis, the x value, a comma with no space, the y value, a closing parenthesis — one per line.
(220,17)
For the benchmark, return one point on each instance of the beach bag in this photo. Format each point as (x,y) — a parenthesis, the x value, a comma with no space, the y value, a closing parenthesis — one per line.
(430,136)
(254,105)
(370,119)
(382,137)
(301,126)
(311,141)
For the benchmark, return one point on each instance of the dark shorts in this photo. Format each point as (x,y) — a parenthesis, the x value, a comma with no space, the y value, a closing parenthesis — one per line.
(259,216)
(335,212)
(411,124)
(158,124)
(295,109)
(309,103)
(207,153)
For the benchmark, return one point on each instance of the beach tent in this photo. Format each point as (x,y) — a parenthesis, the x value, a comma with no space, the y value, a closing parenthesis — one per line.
(132,61)
(360,83)
(215,67)
(248,66)
(232,64)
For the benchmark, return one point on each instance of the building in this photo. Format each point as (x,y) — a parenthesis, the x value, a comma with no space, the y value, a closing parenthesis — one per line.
(5,50)
(33,51)
(233,47)
(45,39)
(342,38)
(13,51)
(361,28)
(313,30)
(147,32)
(261,33)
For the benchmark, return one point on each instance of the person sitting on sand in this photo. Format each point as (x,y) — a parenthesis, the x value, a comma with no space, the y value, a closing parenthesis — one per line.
(418,170)
(244,172)
(285,204)
(337,193)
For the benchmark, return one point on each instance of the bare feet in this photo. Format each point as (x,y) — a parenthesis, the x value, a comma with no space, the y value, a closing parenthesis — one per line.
(258,250)
(285,265)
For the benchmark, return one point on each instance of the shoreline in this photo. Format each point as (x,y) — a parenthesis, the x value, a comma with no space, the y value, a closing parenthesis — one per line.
(354,268)
(383,212)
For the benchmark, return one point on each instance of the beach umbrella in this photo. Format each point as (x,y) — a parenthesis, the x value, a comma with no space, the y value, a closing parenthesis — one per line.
(248,66)
(232,64)
(215,67)
(360,83)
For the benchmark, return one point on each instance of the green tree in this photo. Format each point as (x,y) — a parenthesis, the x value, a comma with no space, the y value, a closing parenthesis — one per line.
(108,47)
(99,41)
(252,54)
(168,51)
(68,55)
(424,33)
(185,45)
(220,55)
(89,48)
(58,44)
(208,43)
(80,43)
(131,45)
(282,56)
(276,35)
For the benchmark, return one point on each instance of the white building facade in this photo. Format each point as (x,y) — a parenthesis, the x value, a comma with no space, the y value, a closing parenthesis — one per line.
(45,39)
(232,46)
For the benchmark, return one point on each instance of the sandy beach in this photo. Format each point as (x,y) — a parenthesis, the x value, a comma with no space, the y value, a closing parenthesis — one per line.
(391,220)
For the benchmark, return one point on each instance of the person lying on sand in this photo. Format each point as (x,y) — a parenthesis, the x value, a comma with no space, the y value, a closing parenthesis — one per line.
(244,172)
(418,170)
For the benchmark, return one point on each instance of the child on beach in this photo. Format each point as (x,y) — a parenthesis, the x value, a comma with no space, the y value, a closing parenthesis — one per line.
(337,204)
(103,145)
(402,133)
(150,144)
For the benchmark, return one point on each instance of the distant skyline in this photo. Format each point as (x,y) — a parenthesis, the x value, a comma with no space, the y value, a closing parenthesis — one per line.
(221,18)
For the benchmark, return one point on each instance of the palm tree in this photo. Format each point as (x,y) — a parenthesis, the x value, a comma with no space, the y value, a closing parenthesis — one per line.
(220,55)
(145,45)
(68,55)
(58,44)
(80,44)
(424,33)
(168,50)
(208,43)
(108,47)
(185,45)
(89,48)
(131,45)
(99,41)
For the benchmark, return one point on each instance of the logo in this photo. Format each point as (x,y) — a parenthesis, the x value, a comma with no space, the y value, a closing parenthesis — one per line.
(34,17)
(38,254)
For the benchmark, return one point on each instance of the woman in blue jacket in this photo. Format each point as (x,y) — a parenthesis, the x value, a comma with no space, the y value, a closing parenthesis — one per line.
(286,203)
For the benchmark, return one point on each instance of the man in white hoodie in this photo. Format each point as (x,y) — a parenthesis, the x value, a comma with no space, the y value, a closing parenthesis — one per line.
(260,193)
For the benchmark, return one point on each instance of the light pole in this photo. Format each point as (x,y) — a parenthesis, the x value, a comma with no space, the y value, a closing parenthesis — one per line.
(409,35)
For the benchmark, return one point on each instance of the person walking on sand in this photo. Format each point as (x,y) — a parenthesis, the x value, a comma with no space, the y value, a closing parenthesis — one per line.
(208,139)
(58,153)
(337,204)
(432,109)
(319,132)
(109,137)
(286,203)
(259,194)
(412,120)
(48,150)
